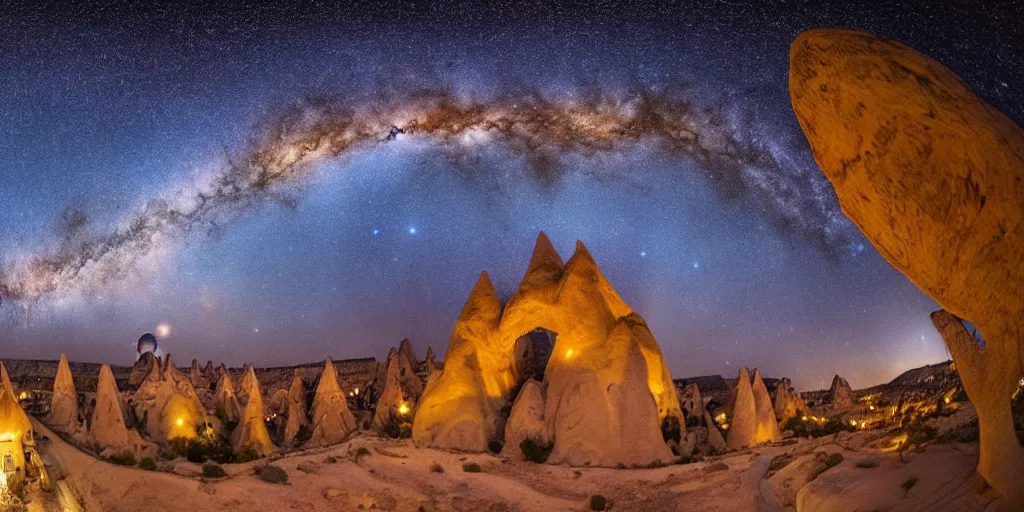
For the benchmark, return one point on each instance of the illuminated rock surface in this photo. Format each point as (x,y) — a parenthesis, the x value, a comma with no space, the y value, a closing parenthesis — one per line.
(107,430)
(767,424)
(332,420)
(64,404)
(5,379)
(934,178)
(296,410)
(225,402)
(168,404)
(608,390)
(840,394)
(526,421)
(392,399)
(197,377)
(141,369)
(251,432)
(788,403)
(742,419)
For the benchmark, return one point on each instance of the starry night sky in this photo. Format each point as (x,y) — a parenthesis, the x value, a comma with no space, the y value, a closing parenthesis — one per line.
(106,110)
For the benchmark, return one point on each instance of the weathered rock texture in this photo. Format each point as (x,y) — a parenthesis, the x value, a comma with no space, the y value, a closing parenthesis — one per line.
(332,420)
(141,369)
(251,432)
(5,379)
(840,394)
(296,411)
(225,402)
(168,404)
(248,385)
(788,403)
(691,402)
(107,430)
(197,377)
(767,425)
(742,419)
(608,391)
(934,178)
(405,348)
(526,421)
(392,398)
(64,404)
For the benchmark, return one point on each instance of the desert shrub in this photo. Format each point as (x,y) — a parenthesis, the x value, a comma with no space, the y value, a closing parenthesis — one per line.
(671,429)
(918,433)
(212,470)
(331,460)
(360,453)
(303,435)
(867,463)
(598,502)
(909,483)
(809,428)
(246,454)
(436,468)
(471,467)
(122,459)
(271,474)
(148,464)
(178,446)
(534,451)
(960,396)
(396,428)
(691,421)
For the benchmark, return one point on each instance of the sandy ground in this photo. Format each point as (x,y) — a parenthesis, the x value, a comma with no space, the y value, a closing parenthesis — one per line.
(398,476)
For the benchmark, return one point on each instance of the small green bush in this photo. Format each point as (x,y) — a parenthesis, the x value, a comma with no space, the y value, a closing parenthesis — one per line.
(271,474)
(246,454)
(148,464)
(909,483)
(867,463)
(436,468)
(471,467)
(331,460)
(598,502)
(122,459)
(213,471)
(360,453)
(534,451)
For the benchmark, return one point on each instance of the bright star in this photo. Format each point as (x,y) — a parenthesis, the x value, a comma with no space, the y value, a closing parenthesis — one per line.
(643,254)
(256,330)
(696,264)
(376,232)
(412,231)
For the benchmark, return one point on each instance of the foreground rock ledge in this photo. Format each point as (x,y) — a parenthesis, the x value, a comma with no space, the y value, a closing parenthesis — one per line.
(934,178)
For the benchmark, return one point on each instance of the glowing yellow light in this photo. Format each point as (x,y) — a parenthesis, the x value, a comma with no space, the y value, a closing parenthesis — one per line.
(403,409)
(356,391)
(720,418)
(23,396)
(569,353)
(863,424)
(163,330)
(804,418)
(180,421)
(946,399)
(725,426)
(853,422)
(871,407)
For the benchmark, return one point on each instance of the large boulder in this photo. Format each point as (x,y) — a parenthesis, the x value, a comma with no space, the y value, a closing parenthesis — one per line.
(168,404)
(64,403)
(526,421)
(934,178)
(607,383)
(840,394)
(332,420)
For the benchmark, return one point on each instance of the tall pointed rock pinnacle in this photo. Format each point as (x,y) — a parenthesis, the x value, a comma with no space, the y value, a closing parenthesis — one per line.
(225,403)
(332,420)
(296,410)
(483,304)
(405,348)
(743,423)
(767,424)
(249,384)
(5,380)
(107,428)
(64,404)
(545,268)
(251,431)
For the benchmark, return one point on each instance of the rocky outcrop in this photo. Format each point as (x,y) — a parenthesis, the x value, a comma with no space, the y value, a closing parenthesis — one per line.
(392,406)
(526,421)
(5,380)
(608,391)
(934,178)
(196,376)
(64,404)
(141,369)
(251,432)
(767,425)
(840,394)
(332,420)
(168,404)
(742,420)
(691,402)
(107,429)
(296,411)
(715,440)
(249,384)
(405,348)
(787,403)
(225,402)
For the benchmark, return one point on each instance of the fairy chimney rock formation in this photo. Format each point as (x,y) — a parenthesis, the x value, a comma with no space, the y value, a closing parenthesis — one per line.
(840,394)
(767,424)
(296,406)
(608,391)
(107,430)
(934,178)
(248,385)
(169,404)
(197,377)
(5,380)
(691,402)
(788,403)
(742,430)
(392,403)
(715,439)
(64,404)
(141,369)
(331,418)
(405,348)
(251,432)
(225,402)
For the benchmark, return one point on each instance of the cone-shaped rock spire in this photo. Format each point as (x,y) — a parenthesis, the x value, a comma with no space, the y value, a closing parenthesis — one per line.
(405,348)
(767,425)
(251,431)
(249,383)
(391,404)
(5,380)
(332,420)
(743,420)
(296,410)
(169,404)
(64,405)
(107,429)
(225,403)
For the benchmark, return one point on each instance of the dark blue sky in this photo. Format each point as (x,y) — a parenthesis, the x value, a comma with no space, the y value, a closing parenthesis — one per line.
(104,110)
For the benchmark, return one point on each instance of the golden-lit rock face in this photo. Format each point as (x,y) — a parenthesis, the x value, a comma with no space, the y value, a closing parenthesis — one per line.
(15,434)
(332,420)
(107,430)
(169,403)
(296,408)
(767,424)
(225,402)
(5,379)
(64,404)
(607,386)
(251,432)
(934,178)
(742,418)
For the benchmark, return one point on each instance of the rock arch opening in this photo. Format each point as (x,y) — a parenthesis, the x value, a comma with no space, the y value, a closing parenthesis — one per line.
(533,351)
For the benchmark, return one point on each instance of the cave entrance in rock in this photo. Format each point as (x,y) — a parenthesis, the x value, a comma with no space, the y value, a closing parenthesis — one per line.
(533,350)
